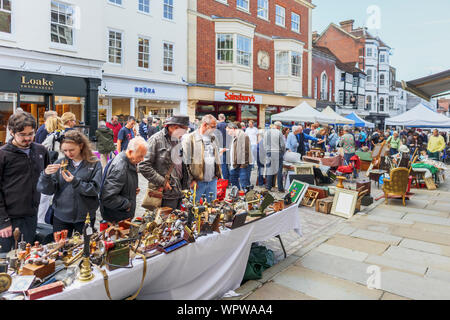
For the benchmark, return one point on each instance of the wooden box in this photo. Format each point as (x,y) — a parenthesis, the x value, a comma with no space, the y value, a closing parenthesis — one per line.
(38,271)
(324,205)
(365,165)
(46,290)
(304,169)
(365,183)
(323,193)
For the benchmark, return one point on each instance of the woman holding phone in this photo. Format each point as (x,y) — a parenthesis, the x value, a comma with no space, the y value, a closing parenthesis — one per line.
(75,183)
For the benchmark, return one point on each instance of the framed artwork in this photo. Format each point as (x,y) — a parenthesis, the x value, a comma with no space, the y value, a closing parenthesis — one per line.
(297,190)
(344,203)
(304,169)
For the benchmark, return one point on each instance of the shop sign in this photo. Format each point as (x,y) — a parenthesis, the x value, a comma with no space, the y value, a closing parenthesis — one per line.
(144,90)
(32,83)
(237,97)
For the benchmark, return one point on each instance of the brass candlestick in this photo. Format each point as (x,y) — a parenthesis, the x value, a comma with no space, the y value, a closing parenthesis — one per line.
(86,271)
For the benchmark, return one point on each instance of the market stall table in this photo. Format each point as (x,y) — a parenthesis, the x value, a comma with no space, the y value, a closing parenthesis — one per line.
(334,161)
(206,269)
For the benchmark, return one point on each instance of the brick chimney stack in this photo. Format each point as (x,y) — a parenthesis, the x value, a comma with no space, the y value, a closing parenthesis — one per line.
(347,25)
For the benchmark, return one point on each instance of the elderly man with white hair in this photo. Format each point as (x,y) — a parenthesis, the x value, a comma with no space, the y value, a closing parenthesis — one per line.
(120,186)
(275,150)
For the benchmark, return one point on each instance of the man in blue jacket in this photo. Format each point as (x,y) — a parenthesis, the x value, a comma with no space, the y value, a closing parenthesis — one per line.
(302,138)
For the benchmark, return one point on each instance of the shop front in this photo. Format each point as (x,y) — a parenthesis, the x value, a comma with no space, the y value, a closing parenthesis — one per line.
(239,106)
(38,92)
(124,97)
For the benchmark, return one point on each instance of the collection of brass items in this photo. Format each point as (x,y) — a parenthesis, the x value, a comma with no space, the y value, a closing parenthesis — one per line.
(56,265)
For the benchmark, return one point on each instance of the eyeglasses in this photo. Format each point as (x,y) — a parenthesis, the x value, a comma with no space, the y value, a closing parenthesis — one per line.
(26,135)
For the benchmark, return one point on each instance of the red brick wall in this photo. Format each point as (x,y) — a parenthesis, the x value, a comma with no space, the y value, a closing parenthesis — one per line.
(319,65)
(344,47)
(206,38)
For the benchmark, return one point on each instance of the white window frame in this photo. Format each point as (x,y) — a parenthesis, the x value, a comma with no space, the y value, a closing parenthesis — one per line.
(293,14)
(264,9)
(296,65)
(230,35)
(330,92)
(384,105)
(323,88)
(382,78)
(164,57)
(114,3)
(382,58)
(279,16)
(369,102)
(171,6)
(369,52)
(144,6)
(369,75)
(282,67)
(241,54)
(58,45)
(121,49)
(8,35)
(240,7)
(148,53)
(341,97)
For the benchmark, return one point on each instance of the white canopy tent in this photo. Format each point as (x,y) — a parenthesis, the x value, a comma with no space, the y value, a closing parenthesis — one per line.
(302,113)
(338,119)
(420,116)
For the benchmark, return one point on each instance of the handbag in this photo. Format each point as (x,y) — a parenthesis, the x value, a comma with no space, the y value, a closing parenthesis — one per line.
(153,196)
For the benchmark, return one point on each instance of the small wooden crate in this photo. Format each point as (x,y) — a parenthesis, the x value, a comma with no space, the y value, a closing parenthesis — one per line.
(324,205)
(304,169)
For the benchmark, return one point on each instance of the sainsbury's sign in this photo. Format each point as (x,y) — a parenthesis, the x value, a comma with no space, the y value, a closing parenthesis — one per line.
(237,97)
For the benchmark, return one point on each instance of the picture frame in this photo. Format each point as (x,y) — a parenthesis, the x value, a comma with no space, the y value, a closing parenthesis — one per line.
(297,190)
(344,203)
(304,169)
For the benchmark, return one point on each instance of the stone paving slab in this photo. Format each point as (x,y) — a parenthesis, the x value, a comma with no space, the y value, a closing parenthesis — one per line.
(275,291)
(376,236)
(414,287)
(321,286)
(438,275)
(389,220)
(427,219)
(426,247)
(413,210)
(418,257)
(387,213)
(390,296)
(383,261)
(367,246)
(341,252)
(431,227)
(427,236)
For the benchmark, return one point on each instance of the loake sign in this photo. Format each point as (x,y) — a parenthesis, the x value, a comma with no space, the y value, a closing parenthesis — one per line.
(237,97)
(32,83)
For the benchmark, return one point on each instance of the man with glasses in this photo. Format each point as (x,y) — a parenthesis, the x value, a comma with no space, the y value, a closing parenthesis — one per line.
(201,156)
(21,162)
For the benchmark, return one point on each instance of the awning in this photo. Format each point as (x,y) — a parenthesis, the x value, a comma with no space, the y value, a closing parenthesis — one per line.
(420,116)
(302,113)
(338,119)
(429,87)
(360,122)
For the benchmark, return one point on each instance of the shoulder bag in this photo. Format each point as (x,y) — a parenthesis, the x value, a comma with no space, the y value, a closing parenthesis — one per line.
(153,196)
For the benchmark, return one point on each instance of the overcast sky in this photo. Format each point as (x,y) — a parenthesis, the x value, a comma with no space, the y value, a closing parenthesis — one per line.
(417,30)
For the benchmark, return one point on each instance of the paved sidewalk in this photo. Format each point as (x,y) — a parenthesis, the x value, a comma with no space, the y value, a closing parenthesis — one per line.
(406,248)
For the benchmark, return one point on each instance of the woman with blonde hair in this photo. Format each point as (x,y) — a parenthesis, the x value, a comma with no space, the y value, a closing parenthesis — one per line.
(69,120)
(75,183)
(55,128)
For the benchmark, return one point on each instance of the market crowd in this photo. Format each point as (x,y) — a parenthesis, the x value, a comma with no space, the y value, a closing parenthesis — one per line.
(53,175)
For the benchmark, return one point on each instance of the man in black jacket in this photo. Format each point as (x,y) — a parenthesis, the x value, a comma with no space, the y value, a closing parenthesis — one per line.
(21,162)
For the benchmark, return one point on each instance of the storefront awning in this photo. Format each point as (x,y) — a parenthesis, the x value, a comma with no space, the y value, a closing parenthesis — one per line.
(429,87)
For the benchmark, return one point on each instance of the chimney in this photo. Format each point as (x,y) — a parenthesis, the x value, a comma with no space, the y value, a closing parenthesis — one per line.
(315,36)
(347,25)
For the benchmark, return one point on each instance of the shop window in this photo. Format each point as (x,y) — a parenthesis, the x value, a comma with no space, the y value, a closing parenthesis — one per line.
(144,53)
(168,9)
(270,110)
(5,16)
(115,47)
(70,104)
(249,112)
(7,103)
(206,108)
(62,17)
(227,108)
(224,48)
(168,57)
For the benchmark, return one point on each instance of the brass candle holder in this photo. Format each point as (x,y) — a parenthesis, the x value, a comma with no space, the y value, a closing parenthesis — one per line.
(86,270)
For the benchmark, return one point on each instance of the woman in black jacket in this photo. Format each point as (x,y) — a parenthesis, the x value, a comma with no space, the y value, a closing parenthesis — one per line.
(75,186)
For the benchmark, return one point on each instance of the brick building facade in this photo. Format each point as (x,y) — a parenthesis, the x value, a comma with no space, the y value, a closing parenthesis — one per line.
(323,77)
(257,51)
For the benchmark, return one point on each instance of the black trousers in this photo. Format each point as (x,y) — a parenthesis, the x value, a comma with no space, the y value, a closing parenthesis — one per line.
(59,225)
(172,203)
(27,227)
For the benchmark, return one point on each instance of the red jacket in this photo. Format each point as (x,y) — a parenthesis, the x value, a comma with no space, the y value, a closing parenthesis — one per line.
(115,129)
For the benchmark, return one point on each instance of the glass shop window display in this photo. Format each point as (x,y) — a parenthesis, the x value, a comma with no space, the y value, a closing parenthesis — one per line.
(8,102)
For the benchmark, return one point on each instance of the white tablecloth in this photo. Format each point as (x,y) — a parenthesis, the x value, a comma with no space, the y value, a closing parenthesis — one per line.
(206,269)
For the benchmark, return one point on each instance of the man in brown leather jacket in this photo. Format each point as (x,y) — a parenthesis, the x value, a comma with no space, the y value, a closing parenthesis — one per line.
(164,151)
(241,156)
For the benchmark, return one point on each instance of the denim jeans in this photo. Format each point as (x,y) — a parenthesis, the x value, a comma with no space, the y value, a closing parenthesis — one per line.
(240,177)
(260,175)
(224,167)
(206,188)
(254,152)
(275,167)
(347,157)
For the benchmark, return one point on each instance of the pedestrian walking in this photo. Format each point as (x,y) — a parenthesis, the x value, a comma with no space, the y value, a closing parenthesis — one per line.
(143,128)
(120,183)
(75,186)
(252,133)
(21,162)
(115,126)
(126,134)
(436,144)
(240,156)
(105,142)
